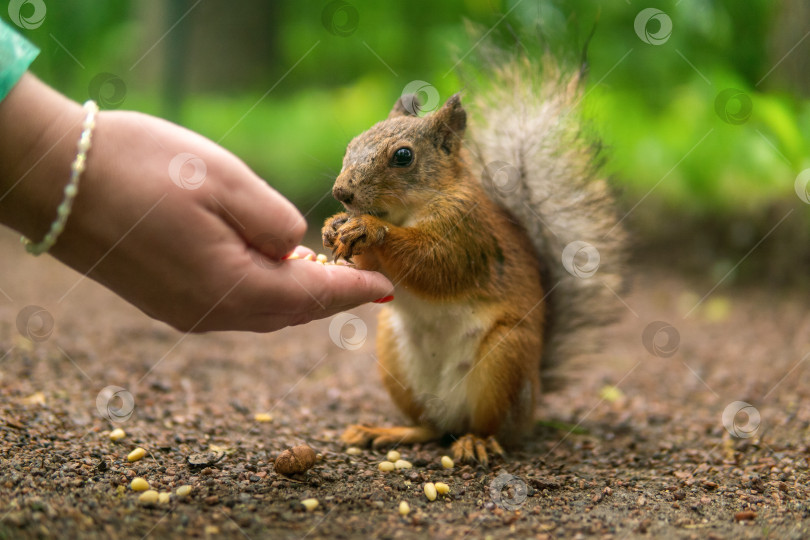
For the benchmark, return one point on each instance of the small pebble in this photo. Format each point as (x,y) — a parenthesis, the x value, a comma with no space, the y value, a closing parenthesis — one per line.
(404,508)
(386,466)
(442,488)
(402,464)
(136,454)
(746,515)
(117,434)
(354,451)
(139,484)
(184,491)
(393,455)
(310,504)
(149,496)
(164,497)
(447,462)
(263,417)
(430,491)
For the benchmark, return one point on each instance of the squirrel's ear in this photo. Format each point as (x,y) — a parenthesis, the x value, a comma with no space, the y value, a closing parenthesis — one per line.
(407,105)
(449,123)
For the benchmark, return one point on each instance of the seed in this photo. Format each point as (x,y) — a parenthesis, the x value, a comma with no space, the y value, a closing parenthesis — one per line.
(309,257)
(184,491)
(117,434)
(295,460)
(164,497)
(430,491)
(447,462)
(148,497)
(263,417)
(386,466)
(136,454)
(310,504)
(139,484)
(321,258)
(442,488)
(354,451)
(292,256)
(404,508)
(402,464)
(393,455)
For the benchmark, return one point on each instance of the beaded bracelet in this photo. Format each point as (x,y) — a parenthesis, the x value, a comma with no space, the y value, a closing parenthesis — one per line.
(72,187)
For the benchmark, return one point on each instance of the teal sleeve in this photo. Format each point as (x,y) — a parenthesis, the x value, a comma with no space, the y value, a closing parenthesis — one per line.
(16,54)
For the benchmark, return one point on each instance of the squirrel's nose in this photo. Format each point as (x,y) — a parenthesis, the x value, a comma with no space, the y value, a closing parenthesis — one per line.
(343,195)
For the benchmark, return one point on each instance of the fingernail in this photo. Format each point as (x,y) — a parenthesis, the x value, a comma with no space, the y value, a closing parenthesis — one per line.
(291,255)
(384,299)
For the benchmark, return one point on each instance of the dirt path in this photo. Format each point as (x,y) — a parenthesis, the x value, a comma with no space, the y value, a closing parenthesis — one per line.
(635,447)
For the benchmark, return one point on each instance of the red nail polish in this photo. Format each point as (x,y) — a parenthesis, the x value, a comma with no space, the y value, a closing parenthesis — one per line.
(384,299)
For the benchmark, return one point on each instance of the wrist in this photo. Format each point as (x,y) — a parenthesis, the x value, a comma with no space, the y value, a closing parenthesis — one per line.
(38,132)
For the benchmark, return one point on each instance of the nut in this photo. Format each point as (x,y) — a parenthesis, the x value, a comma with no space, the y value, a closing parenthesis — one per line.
(402,464)
(117,434)
(184,491)
(354,451)
(386,466)
(139,484)
(164,497)
(430,491)
(263,417)
(447,462)
(136,454)
(404,508)
(149,497)
(295,460)
(442,488)
(393,455)
(310,504)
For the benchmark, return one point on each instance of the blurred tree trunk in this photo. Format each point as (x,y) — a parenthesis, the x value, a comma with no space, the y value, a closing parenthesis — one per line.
(791,25)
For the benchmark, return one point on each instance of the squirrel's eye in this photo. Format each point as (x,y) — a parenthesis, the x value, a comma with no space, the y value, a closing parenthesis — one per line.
(402,158)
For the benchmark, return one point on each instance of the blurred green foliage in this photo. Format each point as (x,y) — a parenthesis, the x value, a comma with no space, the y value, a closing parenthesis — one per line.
(292,114)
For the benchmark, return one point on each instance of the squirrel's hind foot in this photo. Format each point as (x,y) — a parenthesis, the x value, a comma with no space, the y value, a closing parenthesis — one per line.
(384,437)
(471,449)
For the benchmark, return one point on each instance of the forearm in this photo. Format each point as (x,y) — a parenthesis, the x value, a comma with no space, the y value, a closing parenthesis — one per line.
(38,132)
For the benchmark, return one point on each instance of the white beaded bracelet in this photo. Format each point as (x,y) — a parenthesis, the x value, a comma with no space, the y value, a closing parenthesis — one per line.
(72,187)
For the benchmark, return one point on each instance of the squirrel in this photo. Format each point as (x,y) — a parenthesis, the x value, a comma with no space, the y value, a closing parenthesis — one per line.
(483,235)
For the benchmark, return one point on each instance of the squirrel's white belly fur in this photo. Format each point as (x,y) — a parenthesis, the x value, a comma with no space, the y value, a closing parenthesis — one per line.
(436,346)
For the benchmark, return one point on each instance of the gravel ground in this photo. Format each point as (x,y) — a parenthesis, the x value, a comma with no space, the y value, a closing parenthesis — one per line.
(634,447)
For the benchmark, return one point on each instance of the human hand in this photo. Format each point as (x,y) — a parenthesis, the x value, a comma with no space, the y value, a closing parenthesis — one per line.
(200,246)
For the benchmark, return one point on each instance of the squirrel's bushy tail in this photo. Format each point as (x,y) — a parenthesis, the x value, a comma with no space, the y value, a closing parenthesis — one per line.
(536,161)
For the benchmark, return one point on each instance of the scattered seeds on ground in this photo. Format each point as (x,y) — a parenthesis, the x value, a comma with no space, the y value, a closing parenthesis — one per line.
(295,460)
(139,484)
(442,488)
(447,462)
(150,496)
(404,508)
(354,451)
(402,464)
(136,454)
(164,497)
(263,417)
(386,466)
(183,491)
(117,434)
(393,455)
(310,504)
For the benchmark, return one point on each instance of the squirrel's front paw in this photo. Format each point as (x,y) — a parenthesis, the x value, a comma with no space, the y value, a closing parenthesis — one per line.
(356,235)
(329,232)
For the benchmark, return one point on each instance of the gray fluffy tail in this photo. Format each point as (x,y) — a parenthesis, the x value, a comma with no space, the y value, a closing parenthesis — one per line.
(534,159)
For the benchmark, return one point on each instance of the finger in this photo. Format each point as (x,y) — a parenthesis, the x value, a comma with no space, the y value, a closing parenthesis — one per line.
(263,217)
(299,252)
